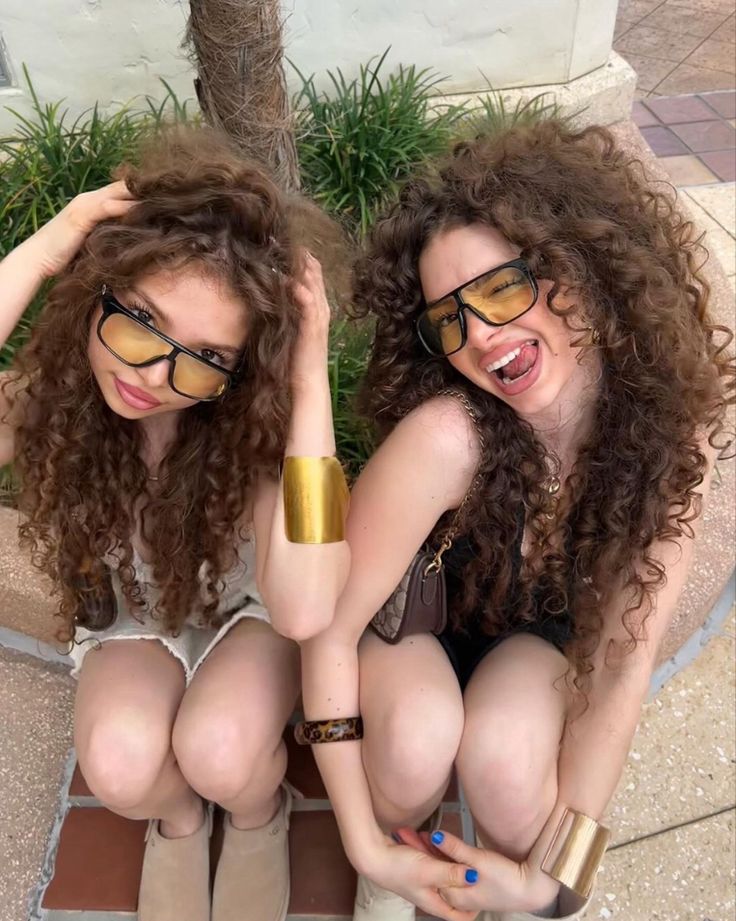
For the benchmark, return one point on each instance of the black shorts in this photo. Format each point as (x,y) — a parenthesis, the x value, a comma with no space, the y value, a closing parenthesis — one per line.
(466,650)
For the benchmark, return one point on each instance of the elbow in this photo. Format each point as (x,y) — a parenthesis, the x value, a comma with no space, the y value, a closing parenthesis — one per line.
(300,615)
(303,624)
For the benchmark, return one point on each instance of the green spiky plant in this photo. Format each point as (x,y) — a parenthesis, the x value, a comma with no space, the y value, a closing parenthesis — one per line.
(349,347)
(494,114)
(357,142)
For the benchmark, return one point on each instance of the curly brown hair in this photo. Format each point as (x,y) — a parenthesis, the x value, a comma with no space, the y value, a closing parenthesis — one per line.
(82,477)
(582,213)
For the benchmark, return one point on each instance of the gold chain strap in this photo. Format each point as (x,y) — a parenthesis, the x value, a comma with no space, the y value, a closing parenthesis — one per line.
(451,530)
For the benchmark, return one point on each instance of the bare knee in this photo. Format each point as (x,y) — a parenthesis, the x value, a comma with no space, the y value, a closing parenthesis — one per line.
(409,751)
(218,759)
(122,758)
(510,783)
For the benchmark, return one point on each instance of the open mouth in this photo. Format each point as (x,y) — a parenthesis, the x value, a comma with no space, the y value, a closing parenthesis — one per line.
(516,364)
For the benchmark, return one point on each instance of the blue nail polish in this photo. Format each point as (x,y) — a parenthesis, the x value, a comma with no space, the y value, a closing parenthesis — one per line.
(471,876)
(438,837)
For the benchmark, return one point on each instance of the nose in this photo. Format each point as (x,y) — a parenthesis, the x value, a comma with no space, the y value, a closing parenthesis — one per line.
(155,376)
(479,334)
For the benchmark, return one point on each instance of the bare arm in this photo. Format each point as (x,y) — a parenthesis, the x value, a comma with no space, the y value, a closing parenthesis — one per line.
(41,257)
(300,583)
(421,470)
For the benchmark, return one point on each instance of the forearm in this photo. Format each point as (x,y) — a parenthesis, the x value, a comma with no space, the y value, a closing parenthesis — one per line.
(311,432)
(595,746)
(303,581)
(330,688)
(21,275)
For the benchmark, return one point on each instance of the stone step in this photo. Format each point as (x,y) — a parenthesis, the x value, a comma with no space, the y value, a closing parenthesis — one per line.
(99,857)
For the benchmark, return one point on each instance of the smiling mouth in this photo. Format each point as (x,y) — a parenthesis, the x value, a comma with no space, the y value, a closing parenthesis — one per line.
(516,364)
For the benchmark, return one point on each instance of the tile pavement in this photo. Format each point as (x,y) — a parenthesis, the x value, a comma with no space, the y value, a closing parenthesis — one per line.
(678,46)
(693,135)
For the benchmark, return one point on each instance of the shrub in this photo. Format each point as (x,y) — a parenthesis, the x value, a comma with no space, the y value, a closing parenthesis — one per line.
(358,142)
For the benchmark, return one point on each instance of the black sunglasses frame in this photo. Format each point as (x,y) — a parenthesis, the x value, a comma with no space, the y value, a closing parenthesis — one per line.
(110,306)
(462,306)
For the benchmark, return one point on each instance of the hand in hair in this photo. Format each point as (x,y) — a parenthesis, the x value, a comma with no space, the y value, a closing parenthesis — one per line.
(57,242)
(309,359)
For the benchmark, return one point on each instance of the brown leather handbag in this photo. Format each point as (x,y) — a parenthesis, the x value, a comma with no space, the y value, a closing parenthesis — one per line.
(419,602)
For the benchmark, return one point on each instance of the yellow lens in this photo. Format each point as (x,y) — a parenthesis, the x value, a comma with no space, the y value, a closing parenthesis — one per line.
(196,379)
(502,296)
(131,341)
(440,327)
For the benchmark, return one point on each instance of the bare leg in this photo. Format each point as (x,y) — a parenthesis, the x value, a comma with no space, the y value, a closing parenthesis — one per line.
(413,716)
(228,733)
(128,696)
(515,710)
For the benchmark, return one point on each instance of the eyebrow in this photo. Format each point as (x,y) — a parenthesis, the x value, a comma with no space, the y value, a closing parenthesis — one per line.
(470,281)
(163,318)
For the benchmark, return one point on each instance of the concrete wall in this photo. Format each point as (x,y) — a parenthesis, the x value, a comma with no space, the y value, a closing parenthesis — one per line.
(113,50)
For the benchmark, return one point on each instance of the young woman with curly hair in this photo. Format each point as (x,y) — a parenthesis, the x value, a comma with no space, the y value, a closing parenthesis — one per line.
(179,361)
(556,295)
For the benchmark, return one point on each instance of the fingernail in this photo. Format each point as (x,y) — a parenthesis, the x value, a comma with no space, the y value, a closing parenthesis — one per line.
(438,837)
(471,876)
(395,837)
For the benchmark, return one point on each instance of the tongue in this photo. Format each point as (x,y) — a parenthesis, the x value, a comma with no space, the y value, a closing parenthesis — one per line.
(521,364)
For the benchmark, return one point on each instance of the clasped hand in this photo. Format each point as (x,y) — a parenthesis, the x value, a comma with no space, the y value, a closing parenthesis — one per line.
(472,879)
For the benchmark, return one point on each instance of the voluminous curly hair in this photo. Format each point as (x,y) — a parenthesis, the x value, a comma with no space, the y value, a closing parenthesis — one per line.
(83,481)
(582,214)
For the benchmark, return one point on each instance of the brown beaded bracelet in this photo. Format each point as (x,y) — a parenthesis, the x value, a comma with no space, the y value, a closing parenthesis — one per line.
(349,729)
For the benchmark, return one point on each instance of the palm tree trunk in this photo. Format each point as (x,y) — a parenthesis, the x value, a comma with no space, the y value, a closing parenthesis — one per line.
(237,48)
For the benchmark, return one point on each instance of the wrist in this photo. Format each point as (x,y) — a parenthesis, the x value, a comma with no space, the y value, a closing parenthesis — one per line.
(539,890)
(312,381)
(367,854)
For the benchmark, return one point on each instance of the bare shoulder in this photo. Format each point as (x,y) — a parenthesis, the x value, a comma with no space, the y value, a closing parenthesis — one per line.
(441,428)
(433,452)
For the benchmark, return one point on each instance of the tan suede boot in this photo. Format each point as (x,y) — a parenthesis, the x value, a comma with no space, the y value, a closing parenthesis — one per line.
(372,903)
(175,881)
(252,881)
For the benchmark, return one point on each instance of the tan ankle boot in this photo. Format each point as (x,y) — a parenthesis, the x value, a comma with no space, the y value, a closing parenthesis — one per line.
(175,881)
(372,903)
(252,881)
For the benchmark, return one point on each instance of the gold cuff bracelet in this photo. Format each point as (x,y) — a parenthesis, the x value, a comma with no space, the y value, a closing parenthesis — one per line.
(316,499)
(576,851)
